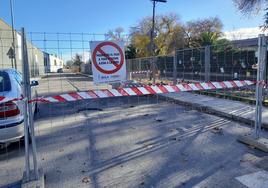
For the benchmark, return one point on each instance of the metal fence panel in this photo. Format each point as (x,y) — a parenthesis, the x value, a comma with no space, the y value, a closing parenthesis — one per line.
(80,139)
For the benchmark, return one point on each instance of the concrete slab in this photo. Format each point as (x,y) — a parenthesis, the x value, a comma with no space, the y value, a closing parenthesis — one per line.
(32,183)
(255,180)
(261,143)
(234,110)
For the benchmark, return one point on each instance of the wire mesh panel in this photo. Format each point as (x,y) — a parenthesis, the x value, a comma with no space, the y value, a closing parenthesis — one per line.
(104,140)
(164,66)
(141,69)
(227,62)
(11,112)
(231,62)
(68,54)
(191,64)
(234,63)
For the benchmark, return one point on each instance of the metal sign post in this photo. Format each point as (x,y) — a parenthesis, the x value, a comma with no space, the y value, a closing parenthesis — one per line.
(152,36)
(260,83)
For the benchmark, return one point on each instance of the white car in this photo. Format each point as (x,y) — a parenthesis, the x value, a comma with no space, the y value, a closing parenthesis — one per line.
(11,112)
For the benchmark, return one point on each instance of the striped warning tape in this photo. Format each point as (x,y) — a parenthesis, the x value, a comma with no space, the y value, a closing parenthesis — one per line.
(140,72)
(262,83)
(136,91)
(144,90)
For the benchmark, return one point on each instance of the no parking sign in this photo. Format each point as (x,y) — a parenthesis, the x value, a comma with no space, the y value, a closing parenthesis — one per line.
(108,61)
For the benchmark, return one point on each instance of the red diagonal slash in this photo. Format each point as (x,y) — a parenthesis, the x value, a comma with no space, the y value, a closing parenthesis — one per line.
(107,56)
(98,49)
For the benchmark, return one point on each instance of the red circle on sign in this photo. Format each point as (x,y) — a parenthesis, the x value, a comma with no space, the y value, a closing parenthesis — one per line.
(98,49)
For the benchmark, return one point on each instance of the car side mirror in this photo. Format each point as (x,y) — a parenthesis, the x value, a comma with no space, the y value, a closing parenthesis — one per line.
(34,83)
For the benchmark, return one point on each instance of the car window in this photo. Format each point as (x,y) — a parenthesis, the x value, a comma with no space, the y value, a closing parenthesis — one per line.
(5,84)
(18,78)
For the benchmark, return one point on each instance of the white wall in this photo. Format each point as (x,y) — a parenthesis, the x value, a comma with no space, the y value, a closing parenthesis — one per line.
(35,55)
(55,63)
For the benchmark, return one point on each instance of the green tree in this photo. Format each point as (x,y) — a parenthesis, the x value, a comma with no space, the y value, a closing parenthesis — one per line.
(142,44)
(130,52)
(222,45)
(208,38)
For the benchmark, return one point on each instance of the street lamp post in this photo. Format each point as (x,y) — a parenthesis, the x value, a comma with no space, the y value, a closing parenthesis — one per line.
(152,38)
(13,34)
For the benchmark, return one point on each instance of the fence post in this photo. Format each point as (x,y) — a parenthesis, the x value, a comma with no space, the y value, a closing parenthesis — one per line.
(28,113)
(153,64)
(207,63)
(262,48)
(175,68)
(139,64)
(129,63)
(25,110)
(127,68)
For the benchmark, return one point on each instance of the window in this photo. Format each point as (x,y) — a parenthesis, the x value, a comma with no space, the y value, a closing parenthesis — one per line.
(5,84)
(55,62)
(18,77)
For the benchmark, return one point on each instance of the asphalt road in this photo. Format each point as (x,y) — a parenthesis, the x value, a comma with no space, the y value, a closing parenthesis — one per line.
(66,82)
(131,142)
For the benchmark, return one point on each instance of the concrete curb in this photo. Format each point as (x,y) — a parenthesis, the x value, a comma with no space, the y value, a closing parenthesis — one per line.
(261,143)
(209,110)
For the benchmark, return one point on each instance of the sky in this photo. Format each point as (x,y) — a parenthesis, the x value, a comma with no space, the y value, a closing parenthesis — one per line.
(99,16)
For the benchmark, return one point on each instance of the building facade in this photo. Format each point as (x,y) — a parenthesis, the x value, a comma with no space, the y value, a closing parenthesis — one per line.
(9,60)
(52,63)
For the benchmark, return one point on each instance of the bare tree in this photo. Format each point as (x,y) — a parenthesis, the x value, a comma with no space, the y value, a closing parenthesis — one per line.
(117,34)
(168,35)
(249,6)
(203,32)
(77,60)
(171,34)
(253,6)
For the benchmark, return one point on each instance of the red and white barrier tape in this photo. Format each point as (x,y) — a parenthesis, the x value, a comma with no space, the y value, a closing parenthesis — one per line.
(137,91)
(262,83)
(145,90)
(140,72)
